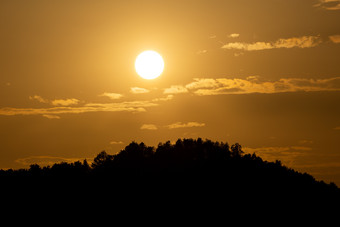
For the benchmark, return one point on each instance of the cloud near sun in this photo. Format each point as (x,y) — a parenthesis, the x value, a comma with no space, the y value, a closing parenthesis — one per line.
(200,86)
(300,42)
(252,84)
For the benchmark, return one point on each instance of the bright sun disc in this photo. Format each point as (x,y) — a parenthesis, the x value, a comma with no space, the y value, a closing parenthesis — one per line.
(149,64)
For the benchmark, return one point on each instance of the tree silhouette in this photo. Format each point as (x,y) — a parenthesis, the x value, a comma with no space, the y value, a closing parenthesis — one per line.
(102,160)
(212,167)
(35,169)
(236,150)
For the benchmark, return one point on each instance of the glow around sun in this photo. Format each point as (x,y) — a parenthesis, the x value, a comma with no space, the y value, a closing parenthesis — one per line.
(149,64)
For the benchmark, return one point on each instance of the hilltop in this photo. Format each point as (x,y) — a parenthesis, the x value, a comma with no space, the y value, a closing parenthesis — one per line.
(196,165)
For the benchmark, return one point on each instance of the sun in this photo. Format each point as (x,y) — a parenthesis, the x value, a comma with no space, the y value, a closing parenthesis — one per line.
(149,64)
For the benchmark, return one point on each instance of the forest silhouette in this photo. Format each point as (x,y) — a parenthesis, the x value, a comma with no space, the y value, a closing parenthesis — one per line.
(188,165)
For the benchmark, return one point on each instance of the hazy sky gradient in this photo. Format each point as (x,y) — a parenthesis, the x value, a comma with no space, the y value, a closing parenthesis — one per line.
(264,73)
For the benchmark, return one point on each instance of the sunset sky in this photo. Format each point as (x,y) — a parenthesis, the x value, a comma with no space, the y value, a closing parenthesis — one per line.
(263,73)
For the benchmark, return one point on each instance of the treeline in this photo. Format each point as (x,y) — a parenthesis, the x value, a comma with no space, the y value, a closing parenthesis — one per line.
(203,163)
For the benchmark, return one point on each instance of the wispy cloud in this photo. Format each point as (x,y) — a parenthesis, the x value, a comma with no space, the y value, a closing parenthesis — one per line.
(139,90)
(306,141)
(209,86)
(287,154)
(112,95)
(49,116)
(116,142)
(45,160)
(148,127)
(185,125)
(167,98)
(300,42)
(133,106)
(175,89)
(329,4)
(202,83)
(335,38)
(64,102)
(234,35)
(201,52)
(38,98)
(56,102)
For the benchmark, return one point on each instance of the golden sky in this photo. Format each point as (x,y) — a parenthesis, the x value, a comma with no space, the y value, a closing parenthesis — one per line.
(264,73)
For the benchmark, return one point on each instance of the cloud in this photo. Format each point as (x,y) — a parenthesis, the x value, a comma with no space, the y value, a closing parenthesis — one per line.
(51,116)
(133,106)
(287,154)
(201,52)
(335,38)
(202,83)
(301,148)
(148,127)
(167,98)
(116,142)
(64,102)
(306,141)
(139,90)
(248,46)
(175,89)
(329,4)
(337,128)
(112,95)
(234,35)
(56,102)
(209,86)
(237,54)
(300,42)
(38,98)
(185,125)
(45,160)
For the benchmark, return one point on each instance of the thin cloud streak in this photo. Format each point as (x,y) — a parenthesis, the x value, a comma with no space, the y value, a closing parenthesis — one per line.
(112,96)
(64,102)
(49,116)
(328,4)
(300,42)
(45,160)
(175,89)
(139,90)
(287,154)
(335,38)
(56,102)
(234,35)
(116,142)
(148,127)
(209,86)
(134,106)
(185,125)
(38,98)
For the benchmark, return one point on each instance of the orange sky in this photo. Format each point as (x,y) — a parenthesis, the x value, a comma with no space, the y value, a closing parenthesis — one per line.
(264,73)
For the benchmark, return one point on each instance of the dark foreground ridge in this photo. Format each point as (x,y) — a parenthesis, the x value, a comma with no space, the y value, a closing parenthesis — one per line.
(189,166)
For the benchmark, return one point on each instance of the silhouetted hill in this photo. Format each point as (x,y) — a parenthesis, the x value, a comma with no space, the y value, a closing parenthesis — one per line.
(187,168)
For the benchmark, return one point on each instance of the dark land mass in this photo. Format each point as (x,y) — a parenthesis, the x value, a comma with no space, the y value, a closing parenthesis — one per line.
(193,170)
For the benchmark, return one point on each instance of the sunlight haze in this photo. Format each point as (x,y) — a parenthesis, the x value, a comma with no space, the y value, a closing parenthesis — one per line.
(262,73)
